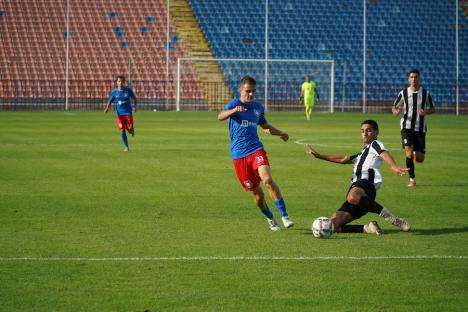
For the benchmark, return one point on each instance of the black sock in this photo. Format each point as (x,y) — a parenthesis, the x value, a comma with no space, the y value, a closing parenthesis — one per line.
(410,165)
(352,228)
(370,205)
(378,208)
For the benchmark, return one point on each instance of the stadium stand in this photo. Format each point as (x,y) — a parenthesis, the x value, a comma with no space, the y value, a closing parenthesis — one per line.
(334,29)
(324,29)
(107,38)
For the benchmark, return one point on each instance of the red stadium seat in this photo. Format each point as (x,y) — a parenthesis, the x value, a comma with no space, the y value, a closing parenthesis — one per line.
(34,45)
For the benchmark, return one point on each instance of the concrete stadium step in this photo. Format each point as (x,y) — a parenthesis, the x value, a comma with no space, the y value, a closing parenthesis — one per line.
(196,45)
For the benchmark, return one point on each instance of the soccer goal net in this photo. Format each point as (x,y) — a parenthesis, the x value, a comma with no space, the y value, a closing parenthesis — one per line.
(209,83)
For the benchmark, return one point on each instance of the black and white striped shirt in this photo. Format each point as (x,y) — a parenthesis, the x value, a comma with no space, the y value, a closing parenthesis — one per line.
(367,163)
(410,102)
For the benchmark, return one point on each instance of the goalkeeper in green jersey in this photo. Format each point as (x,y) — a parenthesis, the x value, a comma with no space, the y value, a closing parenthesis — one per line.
(308,91)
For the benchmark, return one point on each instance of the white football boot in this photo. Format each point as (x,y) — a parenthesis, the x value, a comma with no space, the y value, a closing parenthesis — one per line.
(288,223)
(412,183)
(274,226)
(373,228)
(399,222)
(394,220)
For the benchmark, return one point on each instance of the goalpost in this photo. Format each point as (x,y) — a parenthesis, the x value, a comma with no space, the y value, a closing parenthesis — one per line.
(209,83)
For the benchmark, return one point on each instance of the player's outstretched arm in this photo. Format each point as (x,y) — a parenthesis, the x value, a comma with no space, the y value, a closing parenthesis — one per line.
(267,128)
(395,168)
(399,102)
(339,159)
(225,114)
(106,108)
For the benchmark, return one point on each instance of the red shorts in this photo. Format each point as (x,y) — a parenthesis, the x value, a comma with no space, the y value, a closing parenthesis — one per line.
(125,122)
(246,169)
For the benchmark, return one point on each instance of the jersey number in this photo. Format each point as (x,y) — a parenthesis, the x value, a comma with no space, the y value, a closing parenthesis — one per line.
(260,159)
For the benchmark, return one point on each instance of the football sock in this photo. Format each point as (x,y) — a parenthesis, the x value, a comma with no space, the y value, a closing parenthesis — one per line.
(410,165)
(279,203)
(370,205)
(378,208)
(352,228)
(123,135)
(386,214)
(267,212)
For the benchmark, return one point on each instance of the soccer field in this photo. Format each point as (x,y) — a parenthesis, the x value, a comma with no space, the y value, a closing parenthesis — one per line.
(167,227)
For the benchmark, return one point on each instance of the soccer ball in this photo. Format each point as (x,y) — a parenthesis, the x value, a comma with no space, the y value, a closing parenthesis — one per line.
(322,227)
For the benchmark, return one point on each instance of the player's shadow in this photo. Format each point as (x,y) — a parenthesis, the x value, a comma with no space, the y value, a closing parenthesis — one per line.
(449,185)
(304,231)
(429,232)
(433,232)
(308,232)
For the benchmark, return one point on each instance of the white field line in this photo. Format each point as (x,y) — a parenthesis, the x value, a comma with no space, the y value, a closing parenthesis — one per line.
(233,258)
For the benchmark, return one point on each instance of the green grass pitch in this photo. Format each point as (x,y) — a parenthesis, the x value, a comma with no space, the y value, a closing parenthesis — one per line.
(167,227)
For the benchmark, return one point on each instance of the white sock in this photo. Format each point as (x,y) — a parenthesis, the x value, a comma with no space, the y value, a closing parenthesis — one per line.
(386,214)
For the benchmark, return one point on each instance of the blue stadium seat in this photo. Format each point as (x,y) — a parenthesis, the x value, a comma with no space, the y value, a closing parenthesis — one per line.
(311,32)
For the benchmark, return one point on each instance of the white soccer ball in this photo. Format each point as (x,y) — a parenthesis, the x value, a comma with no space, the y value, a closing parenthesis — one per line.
(322,227)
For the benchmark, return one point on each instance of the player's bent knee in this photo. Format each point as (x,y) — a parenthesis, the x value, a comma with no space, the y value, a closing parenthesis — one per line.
(353,199)
(419,158)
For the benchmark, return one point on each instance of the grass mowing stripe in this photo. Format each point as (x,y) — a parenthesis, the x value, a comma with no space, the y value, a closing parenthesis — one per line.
(167,227)
(234,258)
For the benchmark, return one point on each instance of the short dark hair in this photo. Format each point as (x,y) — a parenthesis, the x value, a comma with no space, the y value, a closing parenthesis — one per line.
(414,71)
(372,123)
(121,77)
(247,80)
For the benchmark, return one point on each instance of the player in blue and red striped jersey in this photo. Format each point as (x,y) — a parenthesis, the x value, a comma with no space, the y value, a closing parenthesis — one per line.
(122,97)
(250,159)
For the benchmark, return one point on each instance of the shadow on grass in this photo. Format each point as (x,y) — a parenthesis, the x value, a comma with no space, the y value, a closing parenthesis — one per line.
(433,232)
(429,232)
(423,185)
(308,232)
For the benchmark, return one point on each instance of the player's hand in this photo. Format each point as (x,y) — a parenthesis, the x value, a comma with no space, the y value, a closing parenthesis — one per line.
(395,110)
(421,112)
(240,109)
(400,171)
(284,136)
(309,150)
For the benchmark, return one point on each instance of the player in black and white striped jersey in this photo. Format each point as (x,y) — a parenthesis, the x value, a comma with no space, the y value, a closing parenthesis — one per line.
(366,180)
(415,103)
